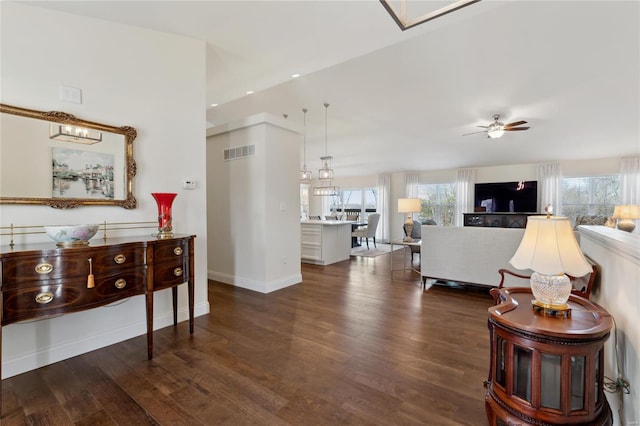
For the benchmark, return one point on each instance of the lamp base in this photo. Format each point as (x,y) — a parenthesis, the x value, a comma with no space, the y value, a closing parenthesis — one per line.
(550,290)
(408,229)
(626,225)
(561,310)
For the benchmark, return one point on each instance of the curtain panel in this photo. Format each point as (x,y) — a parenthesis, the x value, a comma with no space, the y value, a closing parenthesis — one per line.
(411,181)
(384,207)
(465,181)
(549,185)
(630,180)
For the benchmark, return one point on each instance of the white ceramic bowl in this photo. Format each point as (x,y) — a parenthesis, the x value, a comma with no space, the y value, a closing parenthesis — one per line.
(71,235)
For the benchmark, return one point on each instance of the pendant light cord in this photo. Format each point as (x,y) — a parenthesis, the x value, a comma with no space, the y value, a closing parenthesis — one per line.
(326,108)
(304,145)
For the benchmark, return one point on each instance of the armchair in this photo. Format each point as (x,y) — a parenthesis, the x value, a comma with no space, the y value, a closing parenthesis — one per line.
(416,234)
(582,286)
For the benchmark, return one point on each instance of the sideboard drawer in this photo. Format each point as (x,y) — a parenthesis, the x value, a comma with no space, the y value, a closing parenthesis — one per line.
(109,288)
(170,263)
(118,257)
(43,300)
(36,299)
(42,268)
(169,274)
(170,250)
(68,263)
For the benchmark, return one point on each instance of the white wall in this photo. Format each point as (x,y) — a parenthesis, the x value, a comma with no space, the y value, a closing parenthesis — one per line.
(617,254)
(152,81)
(253,204)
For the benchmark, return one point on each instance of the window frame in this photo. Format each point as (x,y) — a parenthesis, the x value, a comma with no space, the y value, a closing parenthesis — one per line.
(439,208)
(594,207)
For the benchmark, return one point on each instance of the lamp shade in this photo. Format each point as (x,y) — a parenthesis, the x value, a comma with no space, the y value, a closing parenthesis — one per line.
(549,247)
(626,212)
(409,205)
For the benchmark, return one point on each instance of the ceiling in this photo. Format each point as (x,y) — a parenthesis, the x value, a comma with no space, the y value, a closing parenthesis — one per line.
(402,100)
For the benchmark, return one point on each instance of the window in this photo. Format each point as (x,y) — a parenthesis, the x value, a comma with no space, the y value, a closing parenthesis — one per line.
(438,202)
(355,201)
(590,195)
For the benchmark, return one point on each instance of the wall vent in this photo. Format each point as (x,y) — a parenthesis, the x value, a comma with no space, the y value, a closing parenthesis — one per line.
(239,152)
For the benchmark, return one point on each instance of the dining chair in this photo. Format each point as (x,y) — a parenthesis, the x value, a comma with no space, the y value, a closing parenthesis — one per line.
(368,231)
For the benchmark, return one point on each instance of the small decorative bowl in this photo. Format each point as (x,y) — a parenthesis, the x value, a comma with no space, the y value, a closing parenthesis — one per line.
(71,235)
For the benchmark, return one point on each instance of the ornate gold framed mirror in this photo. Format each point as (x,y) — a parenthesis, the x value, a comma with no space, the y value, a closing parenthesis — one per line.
(55,159)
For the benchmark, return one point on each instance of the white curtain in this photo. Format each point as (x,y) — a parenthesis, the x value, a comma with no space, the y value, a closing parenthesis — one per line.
(630,181)
(411,180)
(384,207)
(465,182)
(549,182)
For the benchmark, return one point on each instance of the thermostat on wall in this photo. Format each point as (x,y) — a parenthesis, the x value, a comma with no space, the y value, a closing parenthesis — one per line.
(189,184)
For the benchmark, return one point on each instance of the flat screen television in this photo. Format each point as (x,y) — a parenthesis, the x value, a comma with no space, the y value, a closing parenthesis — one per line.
(507,197)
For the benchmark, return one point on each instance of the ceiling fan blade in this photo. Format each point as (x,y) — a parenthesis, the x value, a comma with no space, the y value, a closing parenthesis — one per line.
(515,123)
(484,127)
(473,133)
(515,128)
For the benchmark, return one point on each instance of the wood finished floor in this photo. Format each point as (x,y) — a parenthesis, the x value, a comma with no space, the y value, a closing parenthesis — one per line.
(351,345)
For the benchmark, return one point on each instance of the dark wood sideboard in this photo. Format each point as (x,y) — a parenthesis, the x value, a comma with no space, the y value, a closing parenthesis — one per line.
(546,370)
(42,280)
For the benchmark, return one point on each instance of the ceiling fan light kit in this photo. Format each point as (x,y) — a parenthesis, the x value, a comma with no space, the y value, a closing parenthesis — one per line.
(496,129)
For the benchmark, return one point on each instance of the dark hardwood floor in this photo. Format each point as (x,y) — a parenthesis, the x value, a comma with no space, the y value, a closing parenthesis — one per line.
(350,345)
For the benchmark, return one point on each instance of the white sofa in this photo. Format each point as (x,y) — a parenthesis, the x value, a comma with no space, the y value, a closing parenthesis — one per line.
(468,254)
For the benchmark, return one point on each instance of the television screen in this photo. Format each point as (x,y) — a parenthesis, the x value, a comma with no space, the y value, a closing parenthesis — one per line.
(507,197)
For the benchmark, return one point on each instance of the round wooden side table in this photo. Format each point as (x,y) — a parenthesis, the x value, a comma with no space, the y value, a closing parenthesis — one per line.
(546,370)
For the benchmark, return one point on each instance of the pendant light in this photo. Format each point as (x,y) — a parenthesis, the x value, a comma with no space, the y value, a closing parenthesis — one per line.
(325,174)
(305,175)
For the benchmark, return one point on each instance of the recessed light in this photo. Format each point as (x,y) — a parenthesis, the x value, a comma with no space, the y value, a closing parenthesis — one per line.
(295,75)
(214,105)
(249,92)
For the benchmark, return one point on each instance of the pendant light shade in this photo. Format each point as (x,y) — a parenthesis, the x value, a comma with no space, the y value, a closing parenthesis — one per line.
(325,174)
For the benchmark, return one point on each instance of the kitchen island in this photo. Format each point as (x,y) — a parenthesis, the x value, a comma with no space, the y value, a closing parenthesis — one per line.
(324,242)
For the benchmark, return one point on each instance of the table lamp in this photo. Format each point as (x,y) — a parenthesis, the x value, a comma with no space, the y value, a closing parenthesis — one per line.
(550,249)
(409,206)
(626,214)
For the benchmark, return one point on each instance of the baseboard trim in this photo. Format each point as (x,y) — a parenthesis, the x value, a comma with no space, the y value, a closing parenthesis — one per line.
(55,353)
(259,286)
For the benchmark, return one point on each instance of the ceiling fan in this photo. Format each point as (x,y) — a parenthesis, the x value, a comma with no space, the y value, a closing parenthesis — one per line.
(497,129)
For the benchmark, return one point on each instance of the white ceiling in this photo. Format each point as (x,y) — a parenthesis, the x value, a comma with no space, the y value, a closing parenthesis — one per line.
(402,100)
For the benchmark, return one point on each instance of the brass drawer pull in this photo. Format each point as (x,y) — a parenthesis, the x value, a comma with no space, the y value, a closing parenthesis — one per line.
(44,297)
(121,283)
(177,251)
(44,268)
(120,259)
(177,272)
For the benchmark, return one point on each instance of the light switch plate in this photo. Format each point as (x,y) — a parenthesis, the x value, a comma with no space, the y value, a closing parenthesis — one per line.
(70,94)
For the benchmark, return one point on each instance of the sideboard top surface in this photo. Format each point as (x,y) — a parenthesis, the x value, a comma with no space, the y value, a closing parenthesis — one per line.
(50,248)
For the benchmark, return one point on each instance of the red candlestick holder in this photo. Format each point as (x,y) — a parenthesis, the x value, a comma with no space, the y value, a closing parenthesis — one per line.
(165,201)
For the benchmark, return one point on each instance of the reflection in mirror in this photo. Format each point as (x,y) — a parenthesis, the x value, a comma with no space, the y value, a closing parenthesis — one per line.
(55,159)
